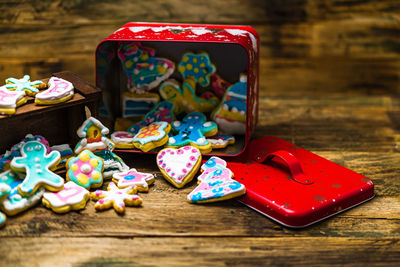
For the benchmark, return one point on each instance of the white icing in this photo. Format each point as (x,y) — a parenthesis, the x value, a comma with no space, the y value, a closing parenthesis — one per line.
(116,195)
(234,110)
(230,93)
(171,140)
(58,88)
(82,133)
(177,123)
(230,127)
(140,182)
(243,78)
(201,140)
(4,187)
(71,194)
(9,99)
(176,163)
(125,139)
(85,168)
(207,124)
(61,148)
(23,203)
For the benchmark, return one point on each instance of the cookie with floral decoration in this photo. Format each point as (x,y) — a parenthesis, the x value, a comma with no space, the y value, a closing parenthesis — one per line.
(152,136)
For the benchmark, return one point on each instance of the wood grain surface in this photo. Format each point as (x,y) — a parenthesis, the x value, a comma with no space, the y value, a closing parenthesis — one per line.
(329,81)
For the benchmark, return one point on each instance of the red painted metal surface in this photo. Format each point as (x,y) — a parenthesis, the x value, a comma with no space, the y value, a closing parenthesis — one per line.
(294,186)
(245,36)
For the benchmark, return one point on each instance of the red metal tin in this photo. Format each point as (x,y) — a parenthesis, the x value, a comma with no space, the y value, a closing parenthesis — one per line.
(294,186)
(235,50)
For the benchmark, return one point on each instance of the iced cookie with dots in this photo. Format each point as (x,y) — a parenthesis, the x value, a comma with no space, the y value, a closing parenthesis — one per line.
(59,91)
(71,197)
(14,203)
(122,139)
(152,136)
(37,164)
(163,111)
(179,166)
(25,85)
(10,100)
(145,71)
(215,183)
(230,115)
(198,67)
(192,130)
(185,98)
(132,177)
(116,197)
(221,140)
(85,170)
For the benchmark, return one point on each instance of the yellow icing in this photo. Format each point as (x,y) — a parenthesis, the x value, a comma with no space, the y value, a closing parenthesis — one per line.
(161,69)
(144,57)
(189,66)
(194,60)
(82,178)
(196,70)
(202,65)
(93,132)
(85,157)
(94,163)
(201,79)
(128,64)
(96,175)
(74,167)
(185,58)
(181,68)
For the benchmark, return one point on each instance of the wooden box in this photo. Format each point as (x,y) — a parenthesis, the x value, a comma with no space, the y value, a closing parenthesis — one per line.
(57,123)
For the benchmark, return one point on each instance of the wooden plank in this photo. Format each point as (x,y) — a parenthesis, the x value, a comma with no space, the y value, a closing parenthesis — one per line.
(153,251)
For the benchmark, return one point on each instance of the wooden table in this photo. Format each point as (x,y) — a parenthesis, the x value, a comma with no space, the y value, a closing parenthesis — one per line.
(357,132)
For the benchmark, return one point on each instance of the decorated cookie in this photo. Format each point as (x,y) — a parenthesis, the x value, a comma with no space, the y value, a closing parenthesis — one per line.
(185,99)
(163,111)
(3,220)
(116,198)
(134,178)
(93,137)
(219,85)
(6,158)
(14,203)
(71,197)
(230,115)
(152,136)
(192,131)
(198,67)
(25,85)
(144,70)
(85,170)
(134,105)
(59,91)
(10,100)
(216,183)
(179,166)
(36,163)
(122,139)
(221,140)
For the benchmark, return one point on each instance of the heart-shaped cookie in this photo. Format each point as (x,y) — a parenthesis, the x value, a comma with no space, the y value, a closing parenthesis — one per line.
(179,166)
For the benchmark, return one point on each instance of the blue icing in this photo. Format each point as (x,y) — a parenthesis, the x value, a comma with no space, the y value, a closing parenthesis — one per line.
(130,177)
(236,96)
(191,130)
(2,218)
(144,140)
(197,197)
(198,67)
(235,185)
(210,163)
(138,105)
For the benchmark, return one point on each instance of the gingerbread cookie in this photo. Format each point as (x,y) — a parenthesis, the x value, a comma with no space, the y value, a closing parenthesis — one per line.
(122,139)
(59,91)
(216,183)
(71,197)
(14,203)
(163,111)
(10,100)
(192,131)
(134,178)
(221,140)
(179,166)
(25,85)
(230,115)
(186,99)
(116,198)
(85,170)
(152,136)
(137,105)
(144,70)
(198,67)
(36,163)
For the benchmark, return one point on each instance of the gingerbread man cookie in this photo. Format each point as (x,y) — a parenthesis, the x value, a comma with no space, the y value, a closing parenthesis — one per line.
(186,99)
(198,67)
(216,183)
(192,131)
(25,85)
(37,163)
(59,91)
(134,178)
(85,170)
(116,198)
(71,197)
(10,100)
(152,136)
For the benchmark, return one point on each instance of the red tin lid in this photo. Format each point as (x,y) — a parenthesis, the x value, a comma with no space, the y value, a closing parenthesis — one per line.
(294,186)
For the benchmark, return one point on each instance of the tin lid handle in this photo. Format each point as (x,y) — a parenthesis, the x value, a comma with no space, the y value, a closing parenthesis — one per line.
(292,163)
